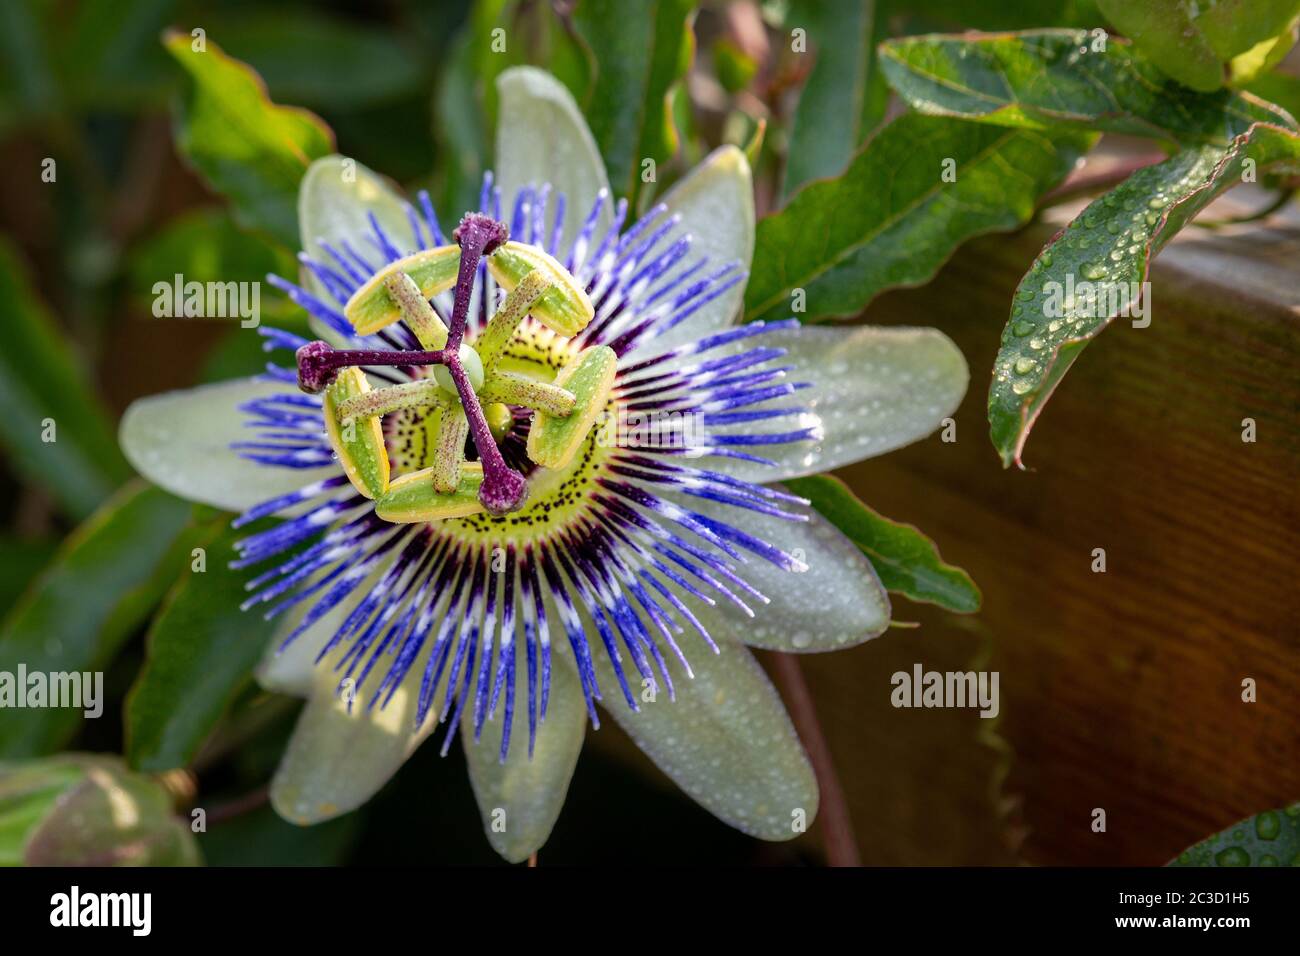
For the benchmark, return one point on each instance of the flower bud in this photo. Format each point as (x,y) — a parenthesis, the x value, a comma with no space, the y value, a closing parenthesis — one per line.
(88,810)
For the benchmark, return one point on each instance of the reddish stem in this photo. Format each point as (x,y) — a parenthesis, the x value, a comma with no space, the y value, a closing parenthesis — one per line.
(239,806)
(836,825)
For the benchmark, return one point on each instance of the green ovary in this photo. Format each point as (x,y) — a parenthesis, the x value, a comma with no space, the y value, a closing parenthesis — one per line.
(555,496)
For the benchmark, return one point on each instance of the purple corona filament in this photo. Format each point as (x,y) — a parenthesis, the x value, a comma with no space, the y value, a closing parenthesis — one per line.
(661,534)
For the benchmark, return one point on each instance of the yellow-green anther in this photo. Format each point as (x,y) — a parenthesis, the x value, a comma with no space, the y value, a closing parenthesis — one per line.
(416,311)
(501,327)
(360,443)
(515,389)
(553,442)
(413,497)
(473,366)
(449,449)
(393,398)
(372,307)
(564,307)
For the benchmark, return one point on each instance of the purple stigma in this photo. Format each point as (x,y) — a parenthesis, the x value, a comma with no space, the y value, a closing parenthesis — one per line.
(502,489)
(482,232)
(319,362)
(478,236)
(316,371)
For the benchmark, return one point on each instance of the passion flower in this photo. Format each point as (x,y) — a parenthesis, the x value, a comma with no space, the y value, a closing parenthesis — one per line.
(528,469)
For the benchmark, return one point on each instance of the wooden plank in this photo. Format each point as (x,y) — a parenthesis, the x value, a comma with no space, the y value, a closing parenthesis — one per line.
(1120,690)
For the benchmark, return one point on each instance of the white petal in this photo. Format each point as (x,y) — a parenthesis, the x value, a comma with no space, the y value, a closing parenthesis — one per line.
(874,390)
(525,795)
(726,741)
(293,670)
(542,138)
(836,603)
(336,761)
(716,203)
(334,202)
(181,442)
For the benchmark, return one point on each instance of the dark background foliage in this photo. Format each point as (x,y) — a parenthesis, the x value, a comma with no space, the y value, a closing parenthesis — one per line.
(1121,690)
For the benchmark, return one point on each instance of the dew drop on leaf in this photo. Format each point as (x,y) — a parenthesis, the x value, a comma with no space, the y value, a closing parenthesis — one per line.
(1232,856)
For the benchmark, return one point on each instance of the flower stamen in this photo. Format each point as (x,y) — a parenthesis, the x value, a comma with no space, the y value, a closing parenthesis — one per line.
(465,378)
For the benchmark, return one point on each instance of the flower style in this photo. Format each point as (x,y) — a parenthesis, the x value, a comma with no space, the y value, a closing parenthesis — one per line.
(529,469)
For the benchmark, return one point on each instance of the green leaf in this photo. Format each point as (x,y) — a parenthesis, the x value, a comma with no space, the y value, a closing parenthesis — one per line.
(109,56)
(643,48)
(533,34)
(245,146)
(844,96)
(1280,89)
(51,423)
(734,67)
(201,651)
(21,559)
(106,579)
(467,97)
(891,219)
(264,838)
(1196,42)
(460,126)
(907,562)
(205,245)
(1107,251)
(1271,838)
(321,61)
(1047,79)
(25,75)
(930,16)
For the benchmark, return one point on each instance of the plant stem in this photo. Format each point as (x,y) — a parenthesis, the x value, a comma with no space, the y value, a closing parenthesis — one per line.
(239,806)
(837,826)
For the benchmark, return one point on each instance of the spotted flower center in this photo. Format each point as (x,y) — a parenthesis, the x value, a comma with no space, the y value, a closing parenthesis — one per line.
(540,470)
(553,495)
(461,395)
